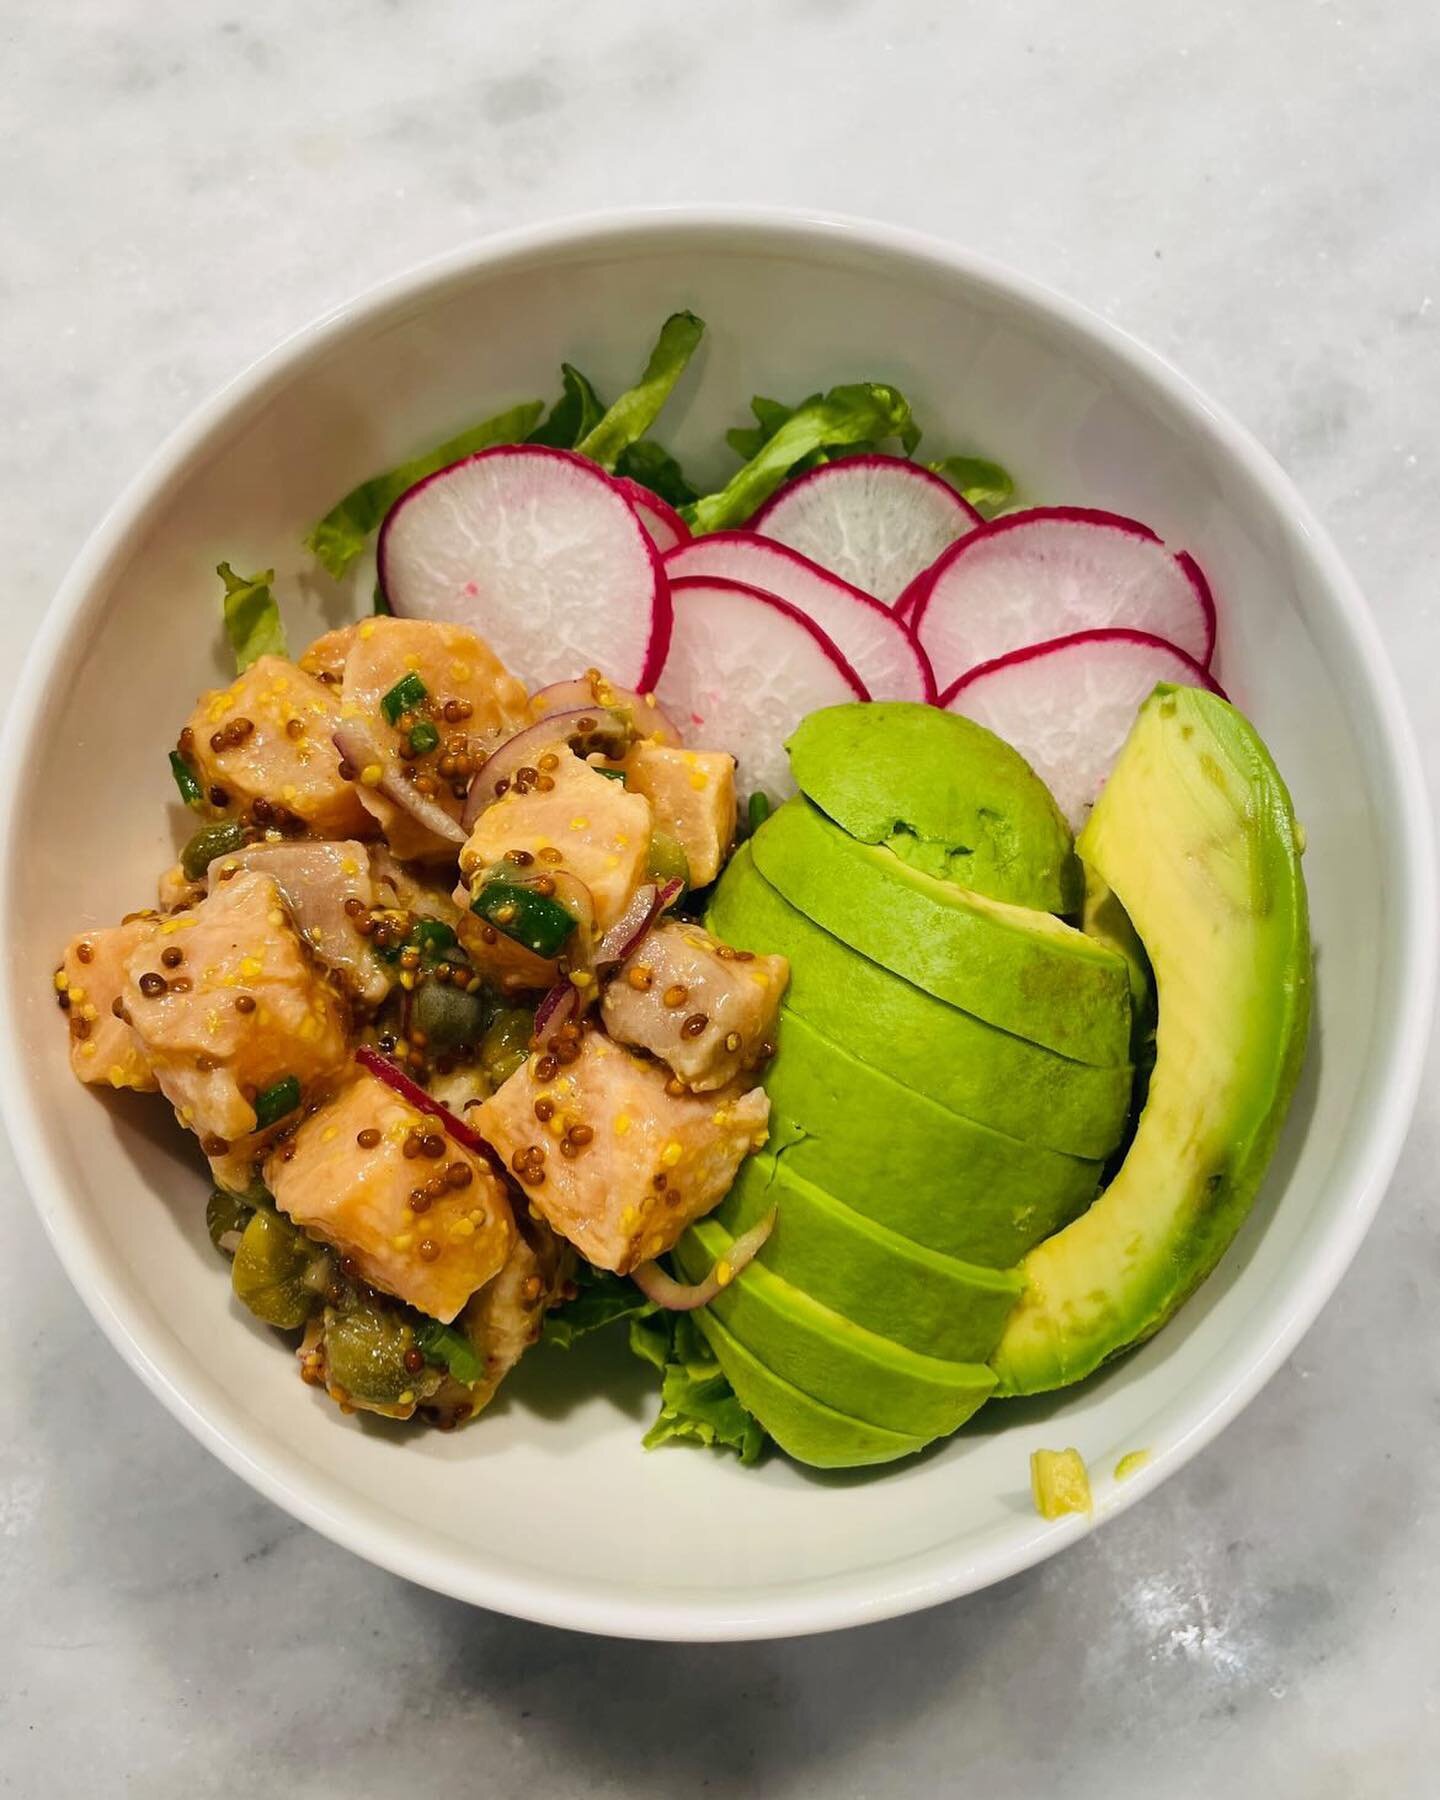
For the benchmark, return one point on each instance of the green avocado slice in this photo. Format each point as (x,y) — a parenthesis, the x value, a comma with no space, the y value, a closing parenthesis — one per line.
(828,1356)
(943,793)
(928,1174)
(961,1062)
(803,1428)
(931,1303)
(1021,970)
(1195,833)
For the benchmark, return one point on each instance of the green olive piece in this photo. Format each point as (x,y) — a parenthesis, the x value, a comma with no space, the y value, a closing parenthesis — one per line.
(277,1271)
(666,859)
(210,841)
(365,1348)
(225,1213)
(506,1044)
(449,1016)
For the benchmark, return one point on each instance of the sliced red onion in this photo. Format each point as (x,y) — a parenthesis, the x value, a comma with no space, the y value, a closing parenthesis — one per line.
(623,937)
(607,731)
(359,747)
(684,1296)
(647,715)
(559,1006)
(395,1077)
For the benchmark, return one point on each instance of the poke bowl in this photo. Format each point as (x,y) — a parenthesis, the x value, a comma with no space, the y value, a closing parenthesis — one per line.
(1058,433)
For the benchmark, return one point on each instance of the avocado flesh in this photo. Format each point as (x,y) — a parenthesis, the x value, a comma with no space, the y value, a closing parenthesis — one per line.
(893,1155)
(828,1356)
(803,1428)
(1021,970)
(959,1061)
(943,793)
(1195,834)
(934,1304)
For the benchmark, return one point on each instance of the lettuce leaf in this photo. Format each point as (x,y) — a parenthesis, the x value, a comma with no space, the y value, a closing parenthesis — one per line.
(252,616)
(637,409)
(697,1403)
(344,531)
(573,416)
(863,412)
(603,1298)
(655,468)
(984,484)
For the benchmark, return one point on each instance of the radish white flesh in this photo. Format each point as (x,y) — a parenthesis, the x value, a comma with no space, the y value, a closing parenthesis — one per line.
(1068,706)
(876,521)
(541,554)
(744,669)
(659,517)
(882,651)
(1049,573)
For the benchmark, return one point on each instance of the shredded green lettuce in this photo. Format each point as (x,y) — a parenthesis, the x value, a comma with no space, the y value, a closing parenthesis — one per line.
(697,1403)
(449,1349)
(603,1298)
(252,616)
(637,409)
(863,412)
(344,531)
(656,469)
(573,416)
(984,484)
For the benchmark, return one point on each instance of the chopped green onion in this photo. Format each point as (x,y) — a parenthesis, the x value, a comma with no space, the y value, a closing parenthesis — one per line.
(534,920)
(609,774)
(423,737)
(405,696)
(190,790)
(449,1349)
(275,1101)
(432,934)
(758,810)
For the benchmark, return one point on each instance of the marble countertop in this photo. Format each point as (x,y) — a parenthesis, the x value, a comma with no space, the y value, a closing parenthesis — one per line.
(1251,188)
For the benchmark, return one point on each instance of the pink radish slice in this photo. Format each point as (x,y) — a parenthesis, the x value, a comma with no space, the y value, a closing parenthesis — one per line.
(1067,706)
(745,667)
(659,517)
(882,651)
(876,521)
(1048,573)
(539,552)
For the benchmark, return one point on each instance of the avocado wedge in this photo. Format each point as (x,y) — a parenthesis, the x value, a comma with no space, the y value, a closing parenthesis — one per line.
(927,1302)
(945,794)
(1018,969)
(828,1356)
(803,1428)
(1195,834)
(928,1174)
(962,1063)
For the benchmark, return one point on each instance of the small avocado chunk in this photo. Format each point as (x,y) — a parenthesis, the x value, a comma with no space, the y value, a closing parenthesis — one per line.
(817,1435)
(1060,1483)
(1195,833)
(828,1356)
(943,793)
(1018,969)
(935,1304)
(924,1043)
(892,1154)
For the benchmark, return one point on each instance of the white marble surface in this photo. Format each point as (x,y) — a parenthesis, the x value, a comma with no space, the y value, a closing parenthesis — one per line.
(1249,187)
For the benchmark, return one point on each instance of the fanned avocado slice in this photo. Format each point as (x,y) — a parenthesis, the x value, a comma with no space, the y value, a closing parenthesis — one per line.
(1018,969)
(944,794)
(1195,833)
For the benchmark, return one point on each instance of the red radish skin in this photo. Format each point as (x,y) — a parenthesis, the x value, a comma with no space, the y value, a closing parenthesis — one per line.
(882,650)
(1067,706)
(659,517)
(540,553)
(876,521)
(1051,572)
(745,667)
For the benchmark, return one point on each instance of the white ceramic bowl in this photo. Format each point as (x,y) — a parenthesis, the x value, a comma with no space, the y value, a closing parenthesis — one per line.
(549,1508)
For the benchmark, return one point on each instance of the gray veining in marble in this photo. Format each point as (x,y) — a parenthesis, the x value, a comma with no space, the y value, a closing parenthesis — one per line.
(1251,188)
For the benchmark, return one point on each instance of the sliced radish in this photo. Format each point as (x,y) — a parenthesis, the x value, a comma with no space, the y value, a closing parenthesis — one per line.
(1067,706)
(1048,573)
(539,552)
(745,667)
(659,517)
(882,651)
(876,521)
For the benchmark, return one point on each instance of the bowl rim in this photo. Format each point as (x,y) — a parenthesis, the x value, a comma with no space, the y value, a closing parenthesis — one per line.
(928,1577)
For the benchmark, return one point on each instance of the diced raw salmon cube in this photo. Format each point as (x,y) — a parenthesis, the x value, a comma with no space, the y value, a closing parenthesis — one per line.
(326,887)
(692,795)
(286,757)
(504,1318)
(176,891)
(609,1157)
(325,658)
(90,980)
(430,1226)
(703,1008)
(226,1002)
